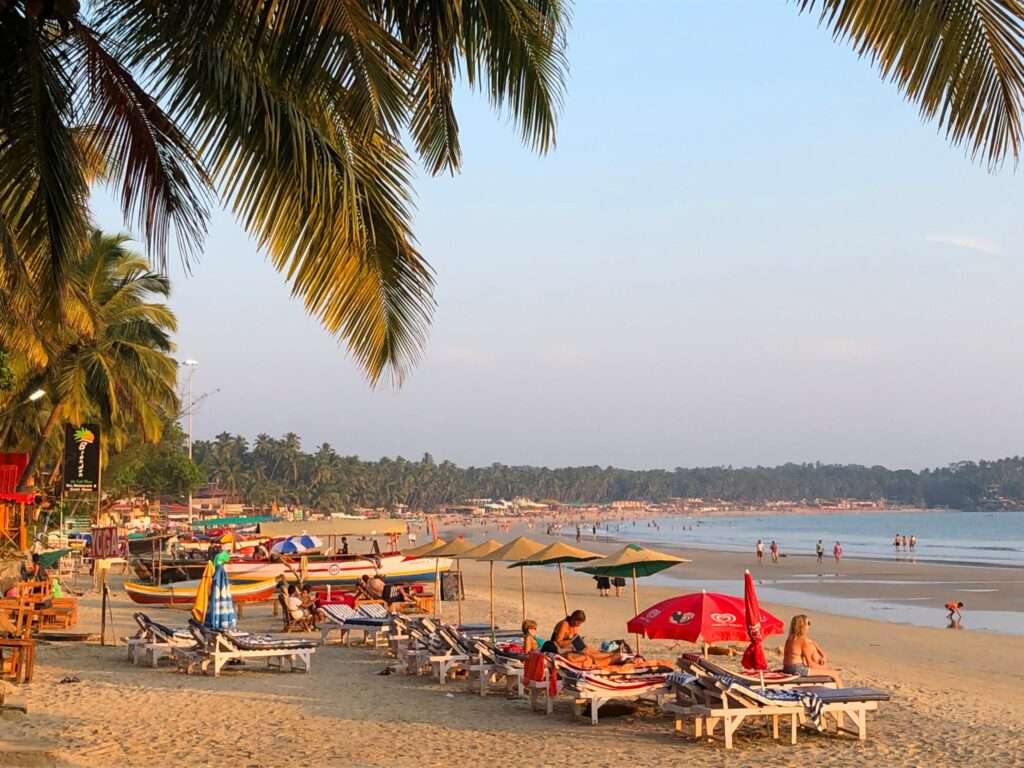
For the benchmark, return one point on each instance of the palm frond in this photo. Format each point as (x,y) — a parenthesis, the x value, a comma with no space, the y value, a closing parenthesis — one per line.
(43,192)
(163,186)
(960,61)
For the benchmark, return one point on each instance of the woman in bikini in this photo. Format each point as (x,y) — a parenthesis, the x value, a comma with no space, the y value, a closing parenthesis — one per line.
(802,655)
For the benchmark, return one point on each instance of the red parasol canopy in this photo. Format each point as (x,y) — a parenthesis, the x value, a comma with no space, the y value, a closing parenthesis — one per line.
(710,616)
(753,657)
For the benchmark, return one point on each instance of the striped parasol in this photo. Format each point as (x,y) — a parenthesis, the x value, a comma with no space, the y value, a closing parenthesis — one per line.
(220,610)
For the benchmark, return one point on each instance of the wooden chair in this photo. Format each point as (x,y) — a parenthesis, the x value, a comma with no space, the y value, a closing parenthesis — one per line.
(304,624)
(20,649)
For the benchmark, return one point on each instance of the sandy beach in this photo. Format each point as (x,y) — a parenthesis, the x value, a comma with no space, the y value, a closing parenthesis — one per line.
(957,699)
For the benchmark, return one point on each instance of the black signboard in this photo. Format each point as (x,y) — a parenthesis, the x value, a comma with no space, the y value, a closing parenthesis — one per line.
(81,458)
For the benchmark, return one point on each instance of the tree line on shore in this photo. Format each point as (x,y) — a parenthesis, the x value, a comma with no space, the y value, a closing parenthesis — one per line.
(272,470)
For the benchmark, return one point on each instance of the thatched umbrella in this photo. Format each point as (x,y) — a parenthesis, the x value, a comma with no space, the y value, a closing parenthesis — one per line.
(456,550)
(516,550)
(478,553)
(427,550)
(632,560)
(556,554)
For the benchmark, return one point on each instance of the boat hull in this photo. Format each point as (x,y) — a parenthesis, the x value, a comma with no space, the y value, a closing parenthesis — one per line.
(340,572)
(184,593)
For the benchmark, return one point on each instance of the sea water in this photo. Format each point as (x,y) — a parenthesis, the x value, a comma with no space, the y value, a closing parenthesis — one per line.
(974,538)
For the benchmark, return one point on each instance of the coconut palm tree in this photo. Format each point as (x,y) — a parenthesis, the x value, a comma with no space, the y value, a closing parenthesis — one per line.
(108,352)
(289,112)
(292,114)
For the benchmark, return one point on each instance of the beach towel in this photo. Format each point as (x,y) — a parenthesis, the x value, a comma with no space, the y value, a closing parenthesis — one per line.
(203,594)
(809,700)
(537,668)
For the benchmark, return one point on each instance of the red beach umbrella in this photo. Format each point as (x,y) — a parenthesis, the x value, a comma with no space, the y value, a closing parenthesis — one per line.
(708,616)
(753,657)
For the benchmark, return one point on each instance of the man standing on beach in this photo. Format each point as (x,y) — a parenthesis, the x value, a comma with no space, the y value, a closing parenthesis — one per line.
(775,551)
(819,550)
(760,551)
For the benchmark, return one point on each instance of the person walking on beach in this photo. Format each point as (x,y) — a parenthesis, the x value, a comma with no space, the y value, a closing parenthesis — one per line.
(819,550)
(759,547)
(913,543)
(837,551)
(896,543)
(775,551)
(904,542)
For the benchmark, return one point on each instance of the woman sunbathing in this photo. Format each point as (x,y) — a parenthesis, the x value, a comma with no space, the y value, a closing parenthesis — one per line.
(802,655)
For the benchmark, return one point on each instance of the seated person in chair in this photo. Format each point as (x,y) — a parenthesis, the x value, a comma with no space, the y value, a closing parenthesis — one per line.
(296,611)
(566,641)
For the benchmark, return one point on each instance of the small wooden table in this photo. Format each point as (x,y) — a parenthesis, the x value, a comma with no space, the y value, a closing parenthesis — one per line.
(22,658)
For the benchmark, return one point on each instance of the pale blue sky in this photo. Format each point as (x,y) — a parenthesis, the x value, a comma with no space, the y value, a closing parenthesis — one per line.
(745,249)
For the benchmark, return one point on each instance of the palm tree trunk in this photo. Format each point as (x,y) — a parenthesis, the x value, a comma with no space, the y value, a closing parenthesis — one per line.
(37,451)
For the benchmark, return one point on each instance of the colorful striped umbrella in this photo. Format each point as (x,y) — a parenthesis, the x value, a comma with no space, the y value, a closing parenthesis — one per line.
(220,611)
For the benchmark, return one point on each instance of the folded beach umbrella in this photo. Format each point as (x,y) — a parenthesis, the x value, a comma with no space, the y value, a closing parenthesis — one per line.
(220,611)
(753,657)
(710,617)
(479,552)
(518,549)
(456,550)
(632,560)
(199,607)
(556,554)
(296,545)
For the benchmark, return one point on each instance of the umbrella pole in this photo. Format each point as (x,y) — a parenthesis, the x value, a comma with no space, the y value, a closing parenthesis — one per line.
(636,607)
(561,579)
(437,587)
(492,601)
(459,563)
(522,586)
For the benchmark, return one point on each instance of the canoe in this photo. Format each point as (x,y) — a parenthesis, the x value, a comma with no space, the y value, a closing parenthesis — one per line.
(184,592)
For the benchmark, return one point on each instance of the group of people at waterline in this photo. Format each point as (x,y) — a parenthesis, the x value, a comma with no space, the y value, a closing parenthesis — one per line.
(901,541)
(819,551)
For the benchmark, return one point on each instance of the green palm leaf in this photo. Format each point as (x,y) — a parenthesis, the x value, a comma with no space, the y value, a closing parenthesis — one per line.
(960,61)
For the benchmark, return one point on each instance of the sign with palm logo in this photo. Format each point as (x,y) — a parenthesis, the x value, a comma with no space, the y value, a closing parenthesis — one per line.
(81,458)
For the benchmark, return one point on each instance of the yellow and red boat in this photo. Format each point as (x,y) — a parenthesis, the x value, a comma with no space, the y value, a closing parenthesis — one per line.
(183,593)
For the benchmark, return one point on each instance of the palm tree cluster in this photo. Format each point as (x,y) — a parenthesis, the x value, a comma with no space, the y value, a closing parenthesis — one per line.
(277,470)
(101,354)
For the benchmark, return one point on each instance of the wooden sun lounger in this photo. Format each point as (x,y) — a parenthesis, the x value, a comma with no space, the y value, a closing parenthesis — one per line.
(222,647)
(738,702)
(156,641)
(594,688)
(345,620)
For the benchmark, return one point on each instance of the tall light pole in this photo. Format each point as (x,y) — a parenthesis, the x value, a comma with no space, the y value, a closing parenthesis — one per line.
(191,365)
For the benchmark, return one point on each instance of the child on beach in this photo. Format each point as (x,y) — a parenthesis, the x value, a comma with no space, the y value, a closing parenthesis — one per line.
(530,636)
(953,608)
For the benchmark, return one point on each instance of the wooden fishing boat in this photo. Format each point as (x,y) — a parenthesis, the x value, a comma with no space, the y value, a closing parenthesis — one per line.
(340,571)
(335,571)
(184,592)
(166,570)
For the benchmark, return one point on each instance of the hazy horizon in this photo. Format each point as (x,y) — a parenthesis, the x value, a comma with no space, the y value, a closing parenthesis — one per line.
(745,250)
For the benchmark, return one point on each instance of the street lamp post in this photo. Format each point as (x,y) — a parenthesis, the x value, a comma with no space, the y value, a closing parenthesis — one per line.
(191,365)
